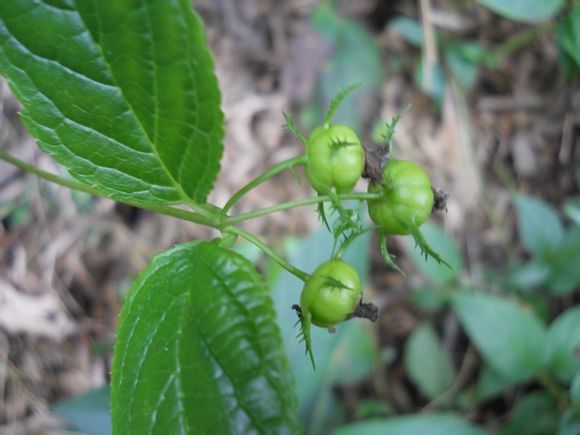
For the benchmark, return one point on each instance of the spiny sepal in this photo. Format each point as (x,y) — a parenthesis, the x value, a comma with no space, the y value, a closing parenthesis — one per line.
(293,128)
(386,256)
(421,242)
(336,101)
(305,322)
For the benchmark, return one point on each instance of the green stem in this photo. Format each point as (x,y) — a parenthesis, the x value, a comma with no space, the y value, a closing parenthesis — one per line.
(553,388)
(211,220)
(299,203)
(269,252)
(286,164)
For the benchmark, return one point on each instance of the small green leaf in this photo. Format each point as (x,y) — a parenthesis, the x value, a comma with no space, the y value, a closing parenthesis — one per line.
(510,339)
(534,414)
(198,349)
(490,384)
(572,209)
(562,261)
(563,351)
(431,299)
(447,249)
(524,10)
(89,413)
(526,277)
(539,225)
(462,58)
(431,424)
(436,87)
(428,366)
(122,93)
(569,424)
(353,47)
(568,31)
(410,30)
(575,393)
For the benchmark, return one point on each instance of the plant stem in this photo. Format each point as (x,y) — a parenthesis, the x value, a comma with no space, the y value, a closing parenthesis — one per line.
(286,164)
(553,388)
(268,251)
(299,203)
(211,221)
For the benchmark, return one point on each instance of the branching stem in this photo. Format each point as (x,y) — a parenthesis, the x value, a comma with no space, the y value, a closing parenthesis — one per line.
(360,196)
(268,251)
(274,170)
(211,220)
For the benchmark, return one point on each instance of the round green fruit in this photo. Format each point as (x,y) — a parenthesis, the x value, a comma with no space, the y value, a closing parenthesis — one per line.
(407,197)
(331,294)
(335,159)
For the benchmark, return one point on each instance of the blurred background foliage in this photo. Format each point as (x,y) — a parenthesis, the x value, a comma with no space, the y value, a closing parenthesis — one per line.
(489,346)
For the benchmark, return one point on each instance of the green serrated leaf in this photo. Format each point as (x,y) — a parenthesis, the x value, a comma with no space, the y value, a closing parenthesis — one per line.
(432,424)
(428,366)
(511,339)
(524,10)
(198,349)
(121,93)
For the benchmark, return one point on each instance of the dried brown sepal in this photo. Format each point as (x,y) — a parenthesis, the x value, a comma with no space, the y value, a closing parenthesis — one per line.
(376,158)
(366,310)
(439,199)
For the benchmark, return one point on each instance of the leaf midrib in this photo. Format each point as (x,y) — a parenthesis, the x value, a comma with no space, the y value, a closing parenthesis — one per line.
(175,183)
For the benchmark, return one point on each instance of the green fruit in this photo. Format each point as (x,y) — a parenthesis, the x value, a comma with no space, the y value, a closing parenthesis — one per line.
(335,159)
(331,294)
(407,197)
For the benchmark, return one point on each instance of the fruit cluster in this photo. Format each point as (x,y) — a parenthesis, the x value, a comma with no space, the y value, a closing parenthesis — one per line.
(400,199)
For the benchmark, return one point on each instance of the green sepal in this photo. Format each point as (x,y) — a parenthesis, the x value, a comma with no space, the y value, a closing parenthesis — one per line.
(336,101)
(322,215)
(391,125)
(293,128)
(421,242)
(305,321)
(386,256)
